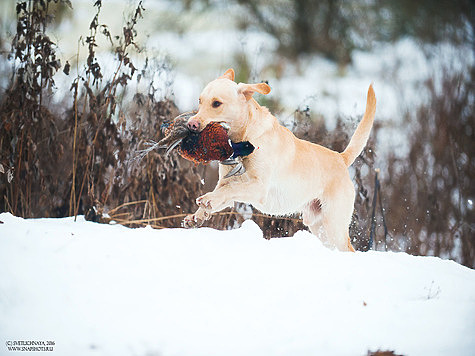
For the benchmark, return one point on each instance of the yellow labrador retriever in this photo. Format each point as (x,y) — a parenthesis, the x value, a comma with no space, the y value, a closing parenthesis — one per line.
(284,174)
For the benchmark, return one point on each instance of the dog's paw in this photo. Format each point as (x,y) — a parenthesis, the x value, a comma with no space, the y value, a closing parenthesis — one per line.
(197,219)
(192,221)
(205,201)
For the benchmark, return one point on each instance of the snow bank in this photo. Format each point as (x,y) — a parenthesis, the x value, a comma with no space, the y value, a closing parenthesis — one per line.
(111,290)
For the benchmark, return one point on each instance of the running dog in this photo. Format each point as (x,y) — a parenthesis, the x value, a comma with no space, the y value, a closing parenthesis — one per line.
(284,174)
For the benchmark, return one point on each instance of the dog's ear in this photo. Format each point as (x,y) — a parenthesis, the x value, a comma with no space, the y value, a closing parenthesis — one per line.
(229,74)
(248,90)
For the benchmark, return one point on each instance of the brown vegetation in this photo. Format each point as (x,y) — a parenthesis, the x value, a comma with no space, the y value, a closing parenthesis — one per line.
(56,163)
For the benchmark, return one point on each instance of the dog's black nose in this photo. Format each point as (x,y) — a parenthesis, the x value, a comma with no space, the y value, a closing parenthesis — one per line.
(194,125)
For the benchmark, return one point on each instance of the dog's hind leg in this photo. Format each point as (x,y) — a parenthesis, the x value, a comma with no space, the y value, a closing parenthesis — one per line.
(336,213)
(334,231)
(312,212)
(312,216)
(350,246)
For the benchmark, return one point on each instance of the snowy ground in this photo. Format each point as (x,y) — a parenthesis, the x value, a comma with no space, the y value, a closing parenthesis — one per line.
(109,290)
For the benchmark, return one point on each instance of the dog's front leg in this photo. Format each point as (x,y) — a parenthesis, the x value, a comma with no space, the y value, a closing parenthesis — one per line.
(230,190)
(224,195)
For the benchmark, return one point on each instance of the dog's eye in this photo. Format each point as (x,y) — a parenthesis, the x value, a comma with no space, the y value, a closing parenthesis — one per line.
(216,104)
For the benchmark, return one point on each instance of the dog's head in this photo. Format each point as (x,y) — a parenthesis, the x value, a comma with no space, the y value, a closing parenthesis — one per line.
(223,100)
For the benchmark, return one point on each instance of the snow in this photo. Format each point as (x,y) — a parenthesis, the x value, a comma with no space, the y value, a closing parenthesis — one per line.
(111,290)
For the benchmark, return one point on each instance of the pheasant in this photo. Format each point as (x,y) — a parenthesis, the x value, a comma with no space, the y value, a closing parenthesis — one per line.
(211,144)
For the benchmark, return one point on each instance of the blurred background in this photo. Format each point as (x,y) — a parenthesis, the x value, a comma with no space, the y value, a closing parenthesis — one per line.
(85,85)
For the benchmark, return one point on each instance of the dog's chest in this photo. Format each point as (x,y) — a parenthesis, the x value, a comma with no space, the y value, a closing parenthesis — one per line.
(281,200)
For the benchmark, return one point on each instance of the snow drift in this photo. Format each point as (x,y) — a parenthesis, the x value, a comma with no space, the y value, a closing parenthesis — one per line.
(110,290)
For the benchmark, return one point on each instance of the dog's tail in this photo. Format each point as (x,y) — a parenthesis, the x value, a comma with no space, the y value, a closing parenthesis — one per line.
(360,137)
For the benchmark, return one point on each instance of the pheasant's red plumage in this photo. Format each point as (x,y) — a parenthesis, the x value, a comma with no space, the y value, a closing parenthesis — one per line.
(211,144)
